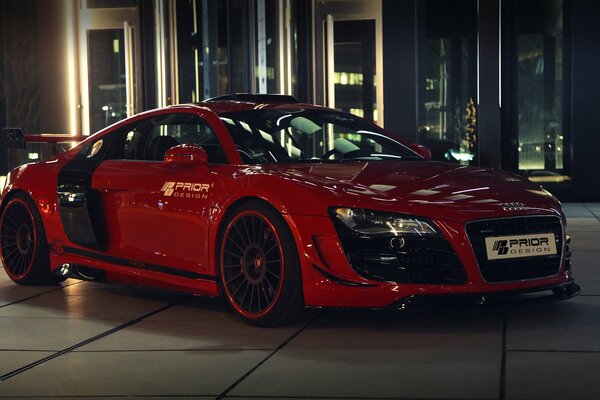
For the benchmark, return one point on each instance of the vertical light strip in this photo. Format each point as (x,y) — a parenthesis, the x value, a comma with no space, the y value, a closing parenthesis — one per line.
(289,45)
(379,111)
(261,38)
(71,68)
(282,51)
(313,32)
(330,62)
(478,50)
(500,53)
(84,83)
(160,54)
(174,57)
(196,94)
(208,69)
(129,70)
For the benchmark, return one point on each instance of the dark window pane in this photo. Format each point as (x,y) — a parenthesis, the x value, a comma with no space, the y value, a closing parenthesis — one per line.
(540,124)
(354,67)
(106,60)
(212,48)
(267,47)
(111,3)
(447,79)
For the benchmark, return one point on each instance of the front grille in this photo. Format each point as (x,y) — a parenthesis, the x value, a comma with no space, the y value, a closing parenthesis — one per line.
(421,260)
(515,269)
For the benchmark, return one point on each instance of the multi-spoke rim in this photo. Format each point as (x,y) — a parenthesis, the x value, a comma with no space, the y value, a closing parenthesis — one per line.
(252,264)
(17,238)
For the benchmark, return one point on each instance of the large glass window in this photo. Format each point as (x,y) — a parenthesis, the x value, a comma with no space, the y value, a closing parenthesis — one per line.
(354,67)
(19,77)
(267,46)
(447,73)
(110,3)
(542,143)
(106,76)
(212,48)
(276,46)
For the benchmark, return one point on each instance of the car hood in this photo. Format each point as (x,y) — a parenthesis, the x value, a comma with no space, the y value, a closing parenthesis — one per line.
(428,188)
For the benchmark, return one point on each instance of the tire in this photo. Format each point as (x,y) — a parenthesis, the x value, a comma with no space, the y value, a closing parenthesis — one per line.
(259,267)
(23,246)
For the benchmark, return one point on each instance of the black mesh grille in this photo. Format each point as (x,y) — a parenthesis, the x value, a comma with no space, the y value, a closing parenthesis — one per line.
(515,269)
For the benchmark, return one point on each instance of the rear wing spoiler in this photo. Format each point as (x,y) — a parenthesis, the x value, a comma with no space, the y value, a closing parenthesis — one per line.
(14,138)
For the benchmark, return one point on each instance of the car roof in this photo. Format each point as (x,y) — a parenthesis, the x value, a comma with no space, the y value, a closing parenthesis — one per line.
(246,101)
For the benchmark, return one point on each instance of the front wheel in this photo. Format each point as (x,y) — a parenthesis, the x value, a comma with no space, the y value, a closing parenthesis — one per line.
(259,266)
(23,246)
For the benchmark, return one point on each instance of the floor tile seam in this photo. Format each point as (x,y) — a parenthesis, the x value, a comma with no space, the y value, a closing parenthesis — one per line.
(92,339)
(173,350)
(39,294)
(350,397)
(7,350)
(593,213)
(115,396)
(552,351)
(227,390)
(31,351)
(119,320)
(502,380)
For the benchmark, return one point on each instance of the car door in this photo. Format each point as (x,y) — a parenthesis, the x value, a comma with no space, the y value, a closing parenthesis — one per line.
(156,216)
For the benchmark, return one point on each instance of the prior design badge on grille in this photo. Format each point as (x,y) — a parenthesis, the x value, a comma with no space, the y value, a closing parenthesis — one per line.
(503,247)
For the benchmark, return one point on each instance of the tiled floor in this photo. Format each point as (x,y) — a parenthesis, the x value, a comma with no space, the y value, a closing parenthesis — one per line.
(86,340)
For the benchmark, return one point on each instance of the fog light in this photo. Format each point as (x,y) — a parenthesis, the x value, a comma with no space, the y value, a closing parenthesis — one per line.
(396,243)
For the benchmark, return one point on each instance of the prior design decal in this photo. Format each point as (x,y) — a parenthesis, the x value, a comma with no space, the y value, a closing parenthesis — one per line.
(503,247)
(188,190)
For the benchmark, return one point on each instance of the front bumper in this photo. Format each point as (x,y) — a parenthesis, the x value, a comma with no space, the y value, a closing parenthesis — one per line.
(536,295)
(330,281)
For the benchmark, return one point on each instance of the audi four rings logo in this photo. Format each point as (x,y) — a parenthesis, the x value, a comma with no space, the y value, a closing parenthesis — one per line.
(189,190)
(513,206)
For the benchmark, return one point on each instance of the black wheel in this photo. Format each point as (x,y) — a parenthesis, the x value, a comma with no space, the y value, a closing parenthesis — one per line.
(259,266)
(23,246)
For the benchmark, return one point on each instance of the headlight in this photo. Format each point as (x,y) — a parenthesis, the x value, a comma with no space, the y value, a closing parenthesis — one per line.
(371,222)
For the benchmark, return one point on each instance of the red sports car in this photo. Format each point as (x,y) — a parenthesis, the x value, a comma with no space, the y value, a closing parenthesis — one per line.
(278,205)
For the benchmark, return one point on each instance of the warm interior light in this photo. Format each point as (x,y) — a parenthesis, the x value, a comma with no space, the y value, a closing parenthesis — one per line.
(71,68)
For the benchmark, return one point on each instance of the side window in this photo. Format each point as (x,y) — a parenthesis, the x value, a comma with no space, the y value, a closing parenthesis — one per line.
(132,148)
(150,139)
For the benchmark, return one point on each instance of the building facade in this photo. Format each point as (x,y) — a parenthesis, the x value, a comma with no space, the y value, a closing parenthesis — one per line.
(494,83)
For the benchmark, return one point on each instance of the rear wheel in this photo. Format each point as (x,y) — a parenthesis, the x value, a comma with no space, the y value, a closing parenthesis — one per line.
(23,247)
(259,266)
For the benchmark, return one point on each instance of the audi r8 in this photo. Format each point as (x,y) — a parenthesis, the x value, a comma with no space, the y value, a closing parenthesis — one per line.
(276,206)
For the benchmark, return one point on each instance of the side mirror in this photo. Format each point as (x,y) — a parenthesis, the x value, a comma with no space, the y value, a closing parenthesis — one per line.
(186,155)
(421,150)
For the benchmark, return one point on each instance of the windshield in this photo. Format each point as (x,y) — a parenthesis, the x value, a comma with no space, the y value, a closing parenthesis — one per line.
(309,135)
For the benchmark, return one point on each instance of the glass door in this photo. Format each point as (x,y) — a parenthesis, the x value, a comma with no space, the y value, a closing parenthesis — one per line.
(108,64)
(351,67)
(538,138)
(447,79)
(352,58)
